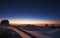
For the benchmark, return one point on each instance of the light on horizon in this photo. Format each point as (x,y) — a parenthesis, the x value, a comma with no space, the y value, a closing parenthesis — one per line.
(32,22)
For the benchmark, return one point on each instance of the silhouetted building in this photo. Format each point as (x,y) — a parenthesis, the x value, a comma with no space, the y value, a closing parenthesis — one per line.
(5,23)
(46,25)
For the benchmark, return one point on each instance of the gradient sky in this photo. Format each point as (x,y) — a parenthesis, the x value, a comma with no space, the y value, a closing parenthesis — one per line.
(45,10)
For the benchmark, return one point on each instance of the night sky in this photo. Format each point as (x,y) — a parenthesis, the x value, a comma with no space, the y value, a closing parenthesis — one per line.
(48,10)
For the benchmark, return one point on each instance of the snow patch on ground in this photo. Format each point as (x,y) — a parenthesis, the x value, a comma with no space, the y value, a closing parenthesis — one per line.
(44,32)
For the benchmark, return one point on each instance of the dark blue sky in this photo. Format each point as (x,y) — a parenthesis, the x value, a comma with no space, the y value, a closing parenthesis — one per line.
(30,9)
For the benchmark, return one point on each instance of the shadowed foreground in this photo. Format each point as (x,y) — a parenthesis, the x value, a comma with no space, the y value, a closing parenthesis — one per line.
(8,33)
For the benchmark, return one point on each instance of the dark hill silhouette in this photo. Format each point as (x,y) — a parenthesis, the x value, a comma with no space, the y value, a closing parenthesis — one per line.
(5,23)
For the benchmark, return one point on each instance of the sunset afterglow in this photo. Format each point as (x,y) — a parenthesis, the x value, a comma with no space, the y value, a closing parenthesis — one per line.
(24,21)
(32,22)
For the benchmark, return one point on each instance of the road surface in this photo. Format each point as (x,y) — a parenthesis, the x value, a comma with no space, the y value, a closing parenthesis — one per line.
(20,32)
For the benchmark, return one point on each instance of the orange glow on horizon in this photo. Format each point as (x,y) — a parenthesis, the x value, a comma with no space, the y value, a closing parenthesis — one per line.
(32,22)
